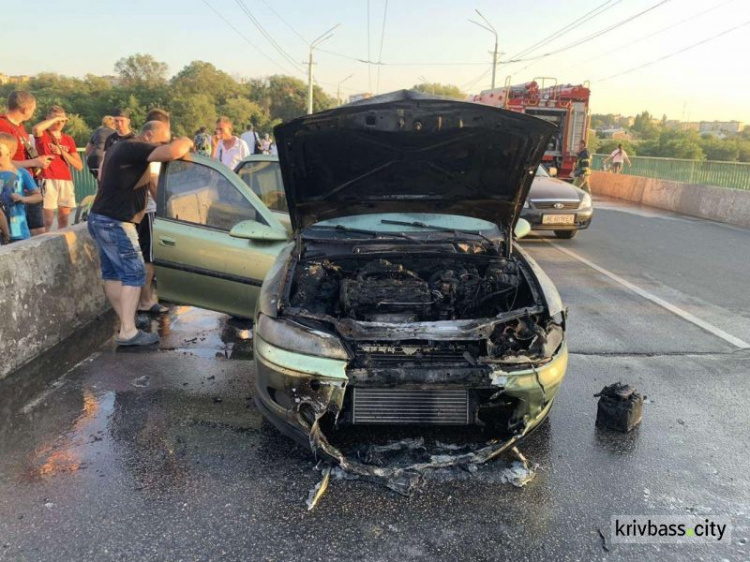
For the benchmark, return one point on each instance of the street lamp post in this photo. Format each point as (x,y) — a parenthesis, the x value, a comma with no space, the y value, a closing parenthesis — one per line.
(489,27)
(338,89)
(325,36)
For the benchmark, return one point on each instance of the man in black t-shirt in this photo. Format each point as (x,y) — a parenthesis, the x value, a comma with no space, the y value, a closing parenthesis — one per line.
(119,206)
(122,128)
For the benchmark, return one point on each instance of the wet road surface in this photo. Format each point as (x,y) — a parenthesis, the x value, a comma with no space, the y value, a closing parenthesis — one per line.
(161,454)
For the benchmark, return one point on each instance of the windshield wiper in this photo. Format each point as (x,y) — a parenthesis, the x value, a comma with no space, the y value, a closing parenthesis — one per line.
(373,233)
(455,231)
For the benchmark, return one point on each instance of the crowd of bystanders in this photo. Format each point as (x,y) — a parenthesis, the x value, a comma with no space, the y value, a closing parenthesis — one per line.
(37,187)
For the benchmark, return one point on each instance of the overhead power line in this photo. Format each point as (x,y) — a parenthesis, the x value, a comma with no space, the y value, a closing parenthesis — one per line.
(590,37)
(245,38)
(382,39)
(369,56)
(416,63)
(279,49)
(474,81)
(585,18)
(286,23)
(653,34)
(675,53)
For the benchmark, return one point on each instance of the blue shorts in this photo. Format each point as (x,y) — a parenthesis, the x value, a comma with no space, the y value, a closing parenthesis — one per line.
(119,251)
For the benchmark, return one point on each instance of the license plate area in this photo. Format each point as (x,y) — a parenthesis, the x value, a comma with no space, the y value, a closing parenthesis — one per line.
(558,219)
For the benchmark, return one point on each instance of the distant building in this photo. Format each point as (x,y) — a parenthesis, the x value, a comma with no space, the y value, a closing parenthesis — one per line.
(615,133)
(5,79)
(624,120)
(721,128)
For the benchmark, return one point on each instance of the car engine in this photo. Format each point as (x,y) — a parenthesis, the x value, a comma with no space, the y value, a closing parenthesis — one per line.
(414,290)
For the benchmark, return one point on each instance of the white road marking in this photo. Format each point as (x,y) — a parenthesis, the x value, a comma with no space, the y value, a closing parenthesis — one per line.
(685,315)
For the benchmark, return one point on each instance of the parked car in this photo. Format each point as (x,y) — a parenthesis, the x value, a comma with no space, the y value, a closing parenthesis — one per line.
(556,205)
(400,296)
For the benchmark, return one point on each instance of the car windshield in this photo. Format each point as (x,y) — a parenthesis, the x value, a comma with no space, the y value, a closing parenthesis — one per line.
(542,172)
(264,178)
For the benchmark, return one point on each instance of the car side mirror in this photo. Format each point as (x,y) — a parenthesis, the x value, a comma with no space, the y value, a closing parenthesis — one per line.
(552,171)
(253,230)
(522,228)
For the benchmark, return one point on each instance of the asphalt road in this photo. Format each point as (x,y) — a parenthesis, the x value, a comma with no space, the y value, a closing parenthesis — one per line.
(161,455)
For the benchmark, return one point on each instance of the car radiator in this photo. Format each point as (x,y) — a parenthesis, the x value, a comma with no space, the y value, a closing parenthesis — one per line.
(404,406)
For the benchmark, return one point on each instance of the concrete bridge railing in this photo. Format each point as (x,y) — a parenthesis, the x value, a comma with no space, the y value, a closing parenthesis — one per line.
(731,206)
(49,288)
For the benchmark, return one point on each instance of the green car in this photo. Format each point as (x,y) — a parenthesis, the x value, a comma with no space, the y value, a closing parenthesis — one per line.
(383,278)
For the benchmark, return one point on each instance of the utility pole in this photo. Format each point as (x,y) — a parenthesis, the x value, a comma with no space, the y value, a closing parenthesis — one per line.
(489,27)
(338,89)
(325,36)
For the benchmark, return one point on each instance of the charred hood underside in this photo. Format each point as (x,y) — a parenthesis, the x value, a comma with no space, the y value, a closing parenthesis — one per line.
(408,152)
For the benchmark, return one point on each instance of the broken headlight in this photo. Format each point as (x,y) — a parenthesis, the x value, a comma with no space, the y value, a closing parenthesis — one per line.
(297,338)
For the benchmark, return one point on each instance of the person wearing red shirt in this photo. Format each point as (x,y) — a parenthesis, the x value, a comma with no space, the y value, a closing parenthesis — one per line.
(59,191)
(21,107)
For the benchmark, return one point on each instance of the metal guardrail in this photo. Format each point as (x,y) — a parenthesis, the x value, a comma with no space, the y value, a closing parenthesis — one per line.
(84,182)
(721,174)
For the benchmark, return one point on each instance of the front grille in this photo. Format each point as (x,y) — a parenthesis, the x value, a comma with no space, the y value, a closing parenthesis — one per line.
(403,406)
(551,204)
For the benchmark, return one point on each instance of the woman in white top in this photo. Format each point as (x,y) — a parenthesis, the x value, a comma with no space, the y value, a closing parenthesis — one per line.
(228,149)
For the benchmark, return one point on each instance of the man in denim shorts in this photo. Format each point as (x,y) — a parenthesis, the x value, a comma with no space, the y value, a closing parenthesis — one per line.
(119,206)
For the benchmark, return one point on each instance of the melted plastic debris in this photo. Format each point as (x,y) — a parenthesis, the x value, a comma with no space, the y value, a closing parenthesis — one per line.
(402,465)
(400,473)
(320,488)
(141,382)
(518,474)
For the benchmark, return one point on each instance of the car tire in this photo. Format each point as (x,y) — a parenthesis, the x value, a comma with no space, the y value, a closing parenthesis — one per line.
(566,234)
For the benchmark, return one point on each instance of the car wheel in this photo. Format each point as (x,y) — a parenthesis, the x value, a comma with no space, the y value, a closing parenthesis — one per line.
(566,234)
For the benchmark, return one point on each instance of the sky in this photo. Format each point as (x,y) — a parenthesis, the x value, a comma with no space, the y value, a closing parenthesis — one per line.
(416,41)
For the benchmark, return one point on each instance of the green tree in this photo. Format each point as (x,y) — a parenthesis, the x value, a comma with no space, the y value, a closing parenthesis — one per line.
(437,89)
(200,77)
(139,70)
(743,150)
(609,146)
(592,141)
(674,144)
(78,129)
(243,111)
(727,150)
(644,126)
(191,112)
(288,98)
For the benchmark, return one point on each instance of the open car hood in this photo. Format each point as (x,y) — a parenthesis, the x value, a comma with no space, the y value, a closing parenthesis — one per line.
(409,152)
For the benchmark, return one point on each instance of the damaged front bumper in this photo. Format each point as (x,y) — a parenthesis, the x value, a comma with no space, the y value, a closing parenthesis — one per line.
(302,393)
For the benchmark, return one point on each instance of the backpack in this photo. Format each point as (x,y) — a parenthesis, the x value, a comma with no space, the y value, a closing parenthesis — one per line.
(203,144)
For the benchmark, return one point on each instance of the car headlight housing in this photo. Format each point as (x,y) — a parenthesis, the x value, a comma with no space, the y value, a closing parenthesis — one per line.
(297,338)
(585,201)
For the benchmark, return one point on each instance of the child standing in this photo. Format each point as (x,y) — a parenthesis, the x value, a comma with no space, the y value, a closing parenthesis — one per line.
(17,189)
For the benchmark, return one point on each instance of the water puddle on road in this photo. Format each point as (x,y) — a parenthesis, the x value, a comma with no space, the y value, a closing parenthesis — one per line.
(201,333)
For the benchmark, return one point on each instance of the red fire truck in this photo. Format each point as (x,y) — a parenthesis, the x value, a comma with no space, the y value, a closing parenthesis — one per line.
(565,105)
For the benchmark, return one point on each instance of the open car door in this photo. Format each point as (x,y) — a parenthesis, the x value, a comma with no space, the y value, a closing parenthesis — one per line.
(214,240)
(262,174)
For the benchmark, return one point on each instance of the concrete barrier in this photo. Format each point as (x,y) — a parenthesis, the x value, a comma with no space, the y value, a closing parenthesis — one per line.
(49,288)
(721,204)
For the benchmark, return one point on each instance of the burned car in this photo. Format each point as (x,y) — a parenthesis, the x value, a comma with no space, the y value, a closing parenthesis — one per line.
(402,298)
(393,292)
